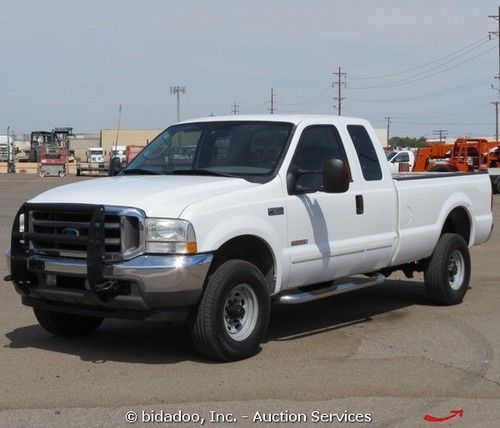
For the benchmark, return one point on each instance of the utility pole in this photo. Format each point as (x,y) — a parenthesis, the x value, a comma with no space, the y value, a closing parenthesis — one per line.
(177,90)
(496,115)
(340,83)
(497,34)
(272,109)
(441,132)
(10,153)
(389,121)
(235,109)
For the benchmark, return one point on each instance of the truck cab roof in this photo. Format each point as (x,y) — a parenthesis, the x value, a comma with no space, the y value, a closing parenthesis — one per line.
(291,118)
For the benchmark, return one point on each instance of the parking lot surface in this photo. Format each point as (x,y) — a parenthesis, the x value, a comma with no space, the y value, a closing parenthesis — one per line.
(384,351)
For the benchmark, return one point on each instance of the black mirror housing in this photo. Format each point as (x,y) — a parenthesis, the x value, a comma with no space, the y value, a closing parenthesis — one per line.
(335,176)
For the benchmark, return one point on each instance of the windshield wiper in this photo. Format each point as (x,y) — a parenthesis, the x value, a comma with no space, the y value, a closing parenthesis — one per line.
(201,172)
(140,171)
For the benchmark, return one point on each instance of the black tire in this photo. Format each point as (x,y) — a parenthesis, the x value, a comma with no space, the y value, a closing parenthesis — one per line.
(209,325)
(66,325)
(440,168)
(448,272)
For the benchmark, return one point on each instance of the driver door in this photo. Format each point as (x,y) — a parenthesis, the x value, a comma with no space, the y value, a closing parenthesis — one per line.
(325,233)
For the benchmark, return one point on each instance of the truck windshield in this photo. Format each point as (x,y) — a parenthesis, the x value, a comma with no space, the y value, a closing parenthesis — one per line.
(230,148)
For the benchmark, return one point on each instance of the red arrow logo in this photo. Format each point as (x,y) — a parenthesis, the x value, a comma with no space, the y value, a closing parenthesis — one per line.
(453,413)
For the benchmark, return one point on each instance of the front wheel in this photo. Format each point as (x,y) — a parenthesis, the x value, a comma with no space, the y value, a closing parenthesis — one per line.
(448,273)
(66,325)
(233,314)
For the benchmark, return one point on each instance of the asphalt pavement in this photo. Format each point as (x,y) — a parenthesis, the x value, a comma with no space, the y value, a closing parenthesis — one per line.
(385,353)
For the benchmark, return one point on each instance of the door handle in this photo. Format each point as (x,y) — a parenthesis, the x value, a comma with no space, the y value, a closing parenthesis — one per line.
(360,206)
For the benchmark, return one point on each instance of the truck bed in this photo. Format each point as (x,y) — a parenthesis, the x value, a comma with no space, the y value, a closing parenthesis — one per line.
(426,199)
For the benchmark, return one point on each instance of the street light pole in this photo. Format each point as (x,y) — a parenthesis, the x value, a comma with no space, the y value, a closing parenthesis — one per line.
(177,90)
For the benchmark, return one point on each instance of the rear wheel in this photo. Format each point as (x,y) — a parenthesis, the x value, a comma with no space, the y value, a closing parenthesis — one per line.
(62,174)
(448,272)
(66,325)
(41,173)
(233,314)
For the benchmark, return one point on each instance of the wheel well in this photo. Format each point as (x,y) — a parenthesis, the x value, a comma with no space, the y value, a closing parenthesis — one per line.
(252,249)
(458,222)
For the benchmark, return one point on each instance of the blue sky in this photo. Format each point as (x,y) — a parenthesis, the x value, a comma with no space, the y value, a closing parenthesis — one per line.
(71,63)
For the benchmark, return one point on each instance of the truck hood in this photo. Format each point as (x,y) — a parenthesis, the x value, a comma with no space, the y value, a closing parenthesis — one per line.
(157,196)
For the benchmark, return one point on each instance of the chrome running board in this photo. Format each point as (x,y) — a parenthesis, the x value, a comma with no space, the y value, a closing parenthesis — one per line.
(332,290)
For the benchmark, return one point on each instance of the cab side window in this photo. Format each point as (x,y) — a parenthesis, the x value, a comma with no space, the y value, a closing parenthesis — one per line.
(317,143)
(370,166)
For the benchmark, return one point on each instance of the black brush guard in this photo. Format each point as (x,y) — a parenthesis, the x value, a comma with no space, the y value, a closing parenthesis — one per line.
(24,278)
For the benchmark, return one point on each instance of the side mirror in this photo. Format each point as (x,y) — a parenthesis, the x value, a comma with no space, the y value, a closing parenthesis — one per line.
(335,176)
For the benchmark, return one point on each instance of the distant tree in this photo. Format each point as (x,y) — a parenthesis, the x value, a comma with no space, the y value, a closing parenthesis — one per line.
(407,142)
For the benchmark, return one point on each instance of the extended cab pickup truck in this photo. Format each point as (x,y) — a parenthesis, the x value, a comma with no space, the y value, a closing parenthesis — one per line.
(216,218)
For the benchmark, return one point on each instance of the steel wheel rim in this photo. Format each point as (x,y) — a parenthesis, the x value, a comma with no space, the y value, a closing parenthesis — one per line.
(456,270)
(241,310)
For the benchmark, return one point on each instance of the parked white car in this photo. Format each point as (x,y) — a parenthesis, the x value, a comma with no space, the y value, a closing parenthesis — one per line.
(399,157)
(267,208)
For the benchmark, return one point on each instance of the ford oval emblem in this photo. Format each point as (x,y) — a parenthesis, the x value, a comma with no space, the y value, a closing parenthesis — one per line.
(70,231)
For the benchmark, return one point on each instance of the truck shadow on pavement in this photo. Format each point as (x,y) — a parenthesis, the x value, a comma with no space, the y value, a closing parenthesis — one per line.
(159,343)
(291,322)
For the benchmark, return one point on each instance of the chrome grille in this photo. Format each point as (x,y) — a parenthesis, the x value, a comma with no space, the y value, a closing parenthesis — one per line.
(123,232)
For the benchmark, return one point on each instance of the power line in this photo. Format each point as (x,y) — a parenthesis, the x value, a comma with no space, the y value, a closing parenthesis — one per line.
(413,80)
(454,89)
(310,94)
(340,83)
(482,40)
(259,107)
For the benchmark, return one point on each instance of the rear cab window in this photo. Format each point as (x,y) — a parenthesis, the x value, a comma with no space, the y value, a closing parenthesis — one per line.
(368,159)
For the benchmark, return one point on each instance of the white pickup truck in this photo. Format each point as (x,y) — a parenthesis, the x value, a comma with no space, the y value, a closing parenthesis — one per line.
(258,209)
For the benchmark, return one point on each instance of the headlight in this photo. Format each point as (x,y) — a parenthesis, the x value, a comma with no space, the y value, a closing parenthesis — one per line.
(164,235)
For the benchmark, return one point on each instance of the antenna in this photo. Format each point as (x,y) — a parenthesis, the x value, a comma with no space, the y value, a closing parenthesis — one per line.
(118,127)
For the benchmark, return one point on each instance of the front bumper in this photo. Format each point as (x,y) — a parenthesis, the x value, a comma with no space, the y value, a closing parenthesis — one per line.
(147,287)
